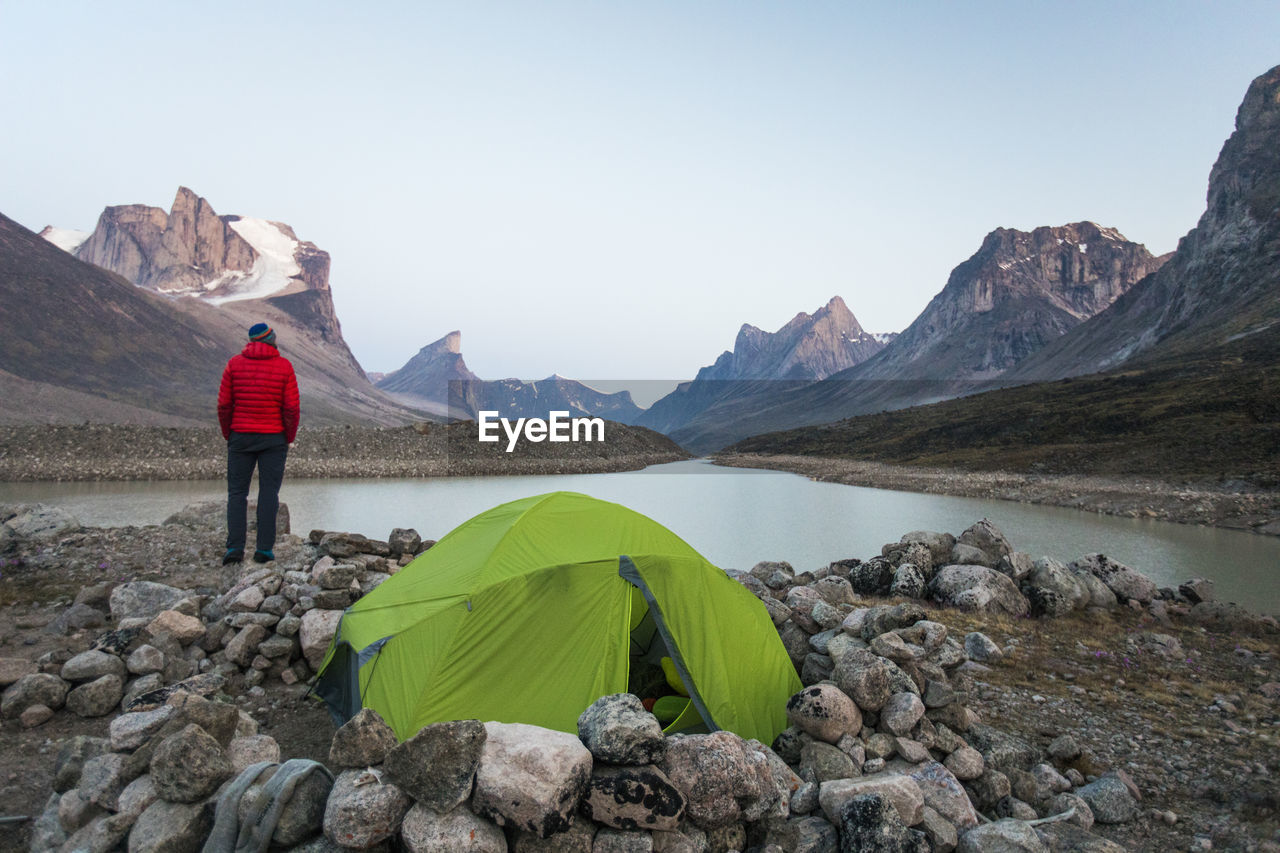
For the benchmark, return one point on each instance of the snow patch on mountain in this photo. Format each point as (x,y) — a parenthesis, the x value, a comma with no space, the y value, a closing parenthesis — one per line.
(66,239)
(274,269)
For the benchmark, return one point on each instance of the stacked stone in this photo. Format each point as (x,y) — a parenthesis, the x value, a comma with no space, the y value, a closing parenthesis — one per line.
(273,623)
(889,755)
(154,783)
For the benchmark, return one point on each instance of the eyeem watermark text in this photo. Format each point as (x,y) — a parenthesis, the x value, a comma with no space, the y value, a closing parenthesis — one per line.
(558,427)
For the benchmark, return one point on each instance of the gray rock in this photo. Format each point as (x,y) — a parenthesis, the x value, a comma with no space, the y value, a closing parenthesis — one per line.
(137,796)
(36,689)
(896,649)
(835,590)
(901,713)
(986,536)
(404,540)
(316,632)
(130,731)
(941,832)
(822,762)
(1110,799)
(143,599)
(908,581)
(817,668)
(1016,565)
(1100,595)
(884,618)
(864,677)
(712,773)
(1070,838)
(97,698)
(622,841)
(46,831)
(71,757)
(1053,590)
(977,588)
(1003,836)
(1064,748)
(40,523)
(633,798)
(965,763)
(870,823)
(1000,749)
(944,794)
(872,577)
(251,749)
(167,827)
(1197,590)
(244,645)
(91,665)
(1064,802)
(1049,780)
(899,789)
(189,765)
(363,741)
(576,839)
(981,648)
(989,788)
(145,659)
(75,810)
(618,730)
(427,831)
(363,809)
(530,778)
(824,712)
(437,766)
(939,544)
(805,835)
(105,776)
(968,555)
(1127,584)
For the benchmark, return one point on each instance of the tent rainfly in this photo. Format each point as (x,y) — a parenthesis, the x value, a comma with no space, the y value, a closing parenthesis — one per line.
(531,611)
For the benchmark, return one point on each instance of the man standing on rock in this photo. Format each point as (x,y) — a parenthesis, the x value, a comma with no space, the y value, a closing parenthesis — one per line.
(258,411)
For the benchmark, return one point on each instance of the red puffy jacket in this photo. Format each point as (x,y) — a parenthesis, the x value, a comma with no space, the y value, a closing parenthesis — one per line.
(259,393)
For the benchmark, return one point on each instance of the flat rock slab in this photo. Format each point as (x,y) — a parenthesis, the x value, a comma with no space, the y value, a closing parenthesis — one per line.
(530,778)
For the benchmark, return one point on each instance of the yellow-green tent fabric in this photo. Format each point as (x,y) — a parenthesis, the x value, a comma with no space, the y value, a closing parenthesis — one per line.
(525,614)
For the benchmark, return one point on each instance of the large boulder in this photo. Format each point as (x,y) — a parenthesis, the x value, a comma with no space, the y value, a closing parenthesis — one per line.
(633,798)
(824,712)
(39,523)
(143,599)
(864,677)
(189,766)
(39,688)
(363,809)
(988,538)
(618,730)
(870,823)
(530,778)
(977,588)
(167,827)
(437,766)
(1111,799)
(90,665)
(713,774)
(898,788)
(1127,584)
(1053,589)
(428,831)
(362,741)
(97,698)
(939,544)
(318,628)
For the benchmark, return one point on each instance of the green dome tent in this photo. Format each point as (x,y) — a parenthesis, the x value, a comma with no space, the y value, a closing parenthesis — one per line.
(531,611)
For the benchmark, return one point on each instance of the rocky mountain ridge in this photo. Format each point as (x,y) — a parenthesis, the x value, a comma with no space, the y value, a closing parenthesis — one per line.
(99,348)
(1221,285)
(808,348)
(437,378)
(1019,291)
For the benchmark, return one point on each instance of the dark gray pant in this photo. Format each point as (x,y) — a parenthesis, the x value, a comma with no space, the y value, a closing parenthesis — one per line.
(267,452)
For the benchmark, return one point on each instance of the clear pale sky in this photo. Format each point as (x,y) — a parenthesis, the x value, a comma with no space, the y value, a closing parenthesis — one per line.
(608,190)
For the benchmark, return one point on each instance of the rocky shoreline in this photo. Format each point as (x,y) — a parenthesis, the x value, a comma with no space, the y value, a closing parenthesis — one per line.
(129,452)
(959,694)
(1130,497)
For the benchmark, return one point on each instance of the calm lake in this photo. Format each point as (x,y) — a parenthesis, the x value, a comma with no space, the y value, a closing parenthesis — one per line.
(733,516)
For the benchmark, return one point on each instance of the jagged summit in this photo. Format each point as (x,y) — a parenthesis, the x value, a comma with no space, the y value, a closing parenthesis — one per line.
(192,251)
(809,346)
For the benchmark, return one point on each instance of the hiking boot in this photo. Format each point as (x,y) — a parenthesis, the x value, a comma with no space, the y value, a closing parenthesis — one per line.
(233,555)
(261,556)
